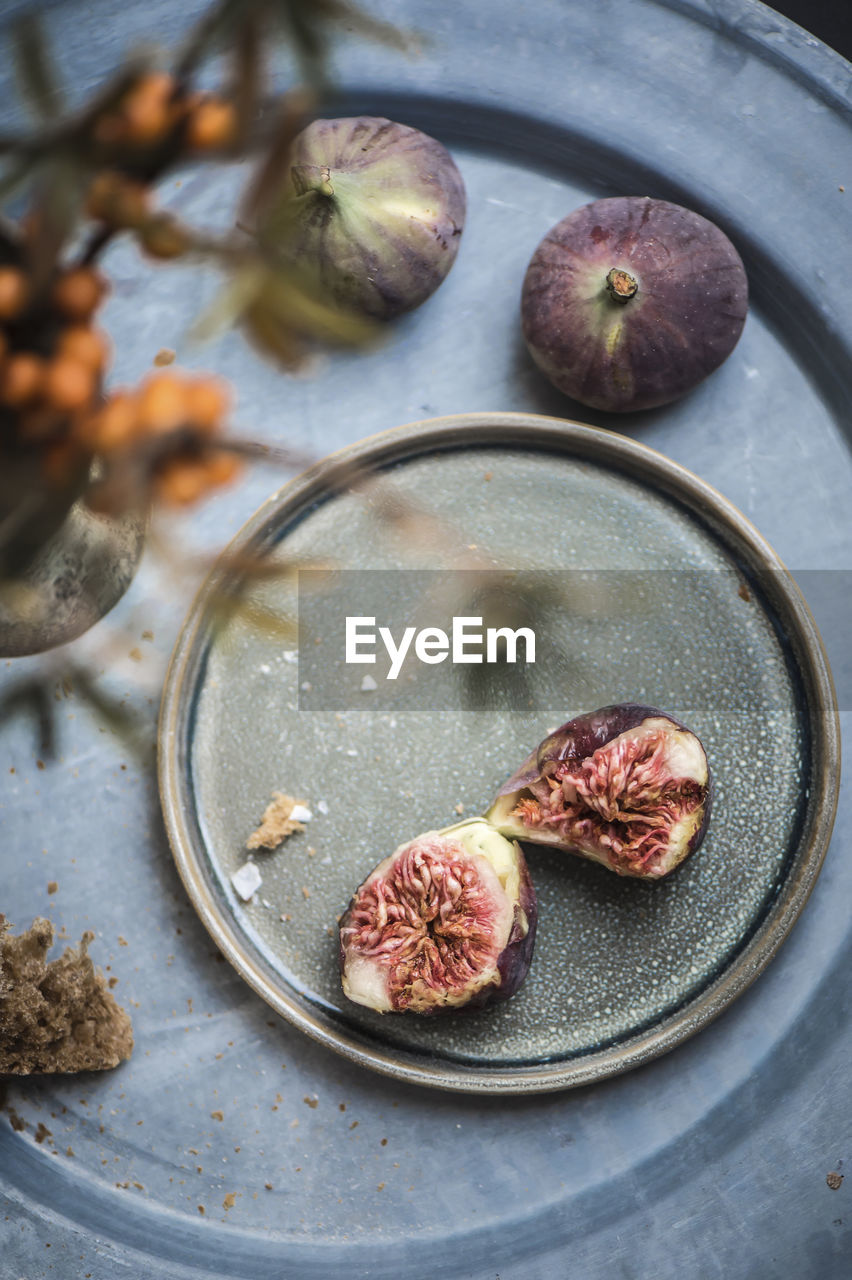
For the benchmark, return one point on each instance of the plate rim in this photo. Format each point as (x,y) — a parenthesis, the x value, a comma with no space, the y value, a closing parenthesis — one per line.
(646,465)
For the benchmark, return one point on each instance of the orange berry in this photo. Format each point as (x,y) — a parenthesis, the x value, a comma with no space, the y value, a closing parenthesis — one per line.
(113,426)
(148,110)
(222,467)
(161,404)
(183,481)
(207,402)
(163,237)
(84,344)
(68,384)
(78,292)
(118,200)
(14,291)
(21,379)
(211,125)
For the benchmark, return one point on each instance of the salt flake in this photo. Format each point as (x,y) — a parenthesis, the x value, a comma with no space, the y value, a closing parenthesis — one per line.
(247,880)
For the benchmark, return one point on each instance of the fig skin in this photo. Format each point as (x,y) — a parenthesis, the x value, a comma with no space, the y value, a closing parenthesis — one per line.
(391,965)
(375,210)
(576,755)
(619,348)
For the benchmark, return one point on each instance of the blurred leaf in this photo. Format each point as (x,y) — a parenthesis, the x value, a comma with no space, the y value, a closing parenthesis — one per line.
(56,211)
(228,604)
(247,76)
(310,23)
(31,698)
(274,171)
(17,171)
(287,317)
(34,67)
(129,725)
(214,30)
(281,311)
(231,302)
(307,24)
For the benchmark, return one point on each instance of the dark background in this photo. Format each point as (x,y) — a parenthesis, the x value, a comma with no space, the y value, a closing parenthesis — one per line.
(829,20)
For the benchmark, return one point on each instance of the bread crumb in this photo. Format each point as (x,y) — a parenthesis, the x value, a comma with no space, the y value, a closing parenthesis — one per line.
(52,886)
(217,1115)
(230,1200)
(459,808)
(164,356)
(834,1180)
(281,818)
(311,1101)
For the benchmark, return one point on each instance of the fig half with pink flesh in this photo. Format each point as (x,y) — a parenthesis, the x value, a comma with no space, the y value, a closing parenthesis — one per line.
(630,302)
(627,786)
(446,922)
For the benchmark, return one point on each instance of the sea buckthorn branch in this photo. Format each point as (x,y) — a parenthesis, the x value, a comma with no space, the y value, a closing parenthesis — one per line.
(90,176)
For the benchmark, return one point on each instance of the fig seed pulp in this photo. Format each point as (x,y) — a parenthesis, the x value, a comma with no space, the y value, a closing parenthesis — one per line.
(626,786)
(446,922)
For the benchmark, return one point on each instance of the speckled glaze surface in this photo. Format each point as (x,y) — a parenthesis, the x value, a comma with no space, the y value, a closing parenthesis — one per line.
(652,589)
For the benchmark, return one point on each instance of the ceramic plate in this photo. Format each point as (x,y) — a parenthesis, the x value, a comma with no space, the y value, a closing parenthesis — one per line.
(641,584)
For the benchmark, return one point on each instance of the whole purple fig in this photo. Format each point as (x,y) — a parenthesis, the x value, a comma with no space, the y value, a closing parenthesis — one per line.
(630,302)
(446,922)
(373,211)
(627,786)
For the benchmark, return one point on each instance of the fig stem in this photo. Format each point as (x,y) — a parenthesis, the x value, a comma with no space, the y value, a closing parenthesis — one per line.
(312,177)
(621,285)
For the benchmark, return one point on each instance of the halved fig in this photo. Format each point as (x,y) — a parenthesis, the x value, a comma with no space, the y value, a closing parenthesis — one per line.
(446,922)
(627,786)
(630,302)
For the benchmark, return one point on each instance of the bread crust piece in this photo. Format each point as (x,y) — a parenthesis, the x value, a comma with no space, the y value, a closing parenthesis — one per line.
(57,1015)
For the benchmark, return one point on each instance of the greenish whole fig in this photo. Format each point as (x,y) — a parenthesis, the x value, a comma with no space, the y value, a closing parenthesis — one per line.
(374,211)
(630,302)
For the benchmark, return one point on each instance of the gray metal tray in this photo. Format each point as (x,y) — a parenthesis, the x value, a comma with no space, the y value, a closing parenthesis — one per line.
(709,1161)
